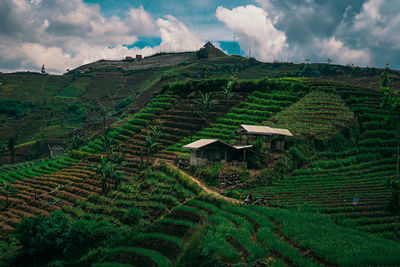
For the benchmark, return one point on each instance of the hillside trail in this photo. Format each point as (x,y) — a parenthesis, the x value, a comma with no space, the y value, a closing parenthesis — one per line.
(204,187)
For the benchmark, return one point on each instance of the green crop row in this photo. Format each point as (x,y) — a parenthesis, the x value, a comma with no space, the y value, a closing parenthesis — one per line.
(134,125)
(40,168)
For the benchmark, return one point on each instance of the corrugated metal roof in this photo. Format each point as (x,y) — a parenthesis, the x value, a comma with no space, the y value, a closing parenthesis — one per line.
(265,130)
(200,143)
(204,142)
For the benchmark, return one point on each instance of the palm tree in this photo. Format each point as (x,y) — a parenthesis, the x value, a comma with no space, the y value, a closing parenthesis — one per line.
(205,103)
(228,94)
(109,144)
(109,173)
(329,60)
(108,168)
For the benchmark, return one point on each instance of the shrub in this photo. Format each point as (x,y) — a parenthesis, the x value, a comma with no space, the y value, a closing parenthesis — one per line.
(266,177)
(134,215)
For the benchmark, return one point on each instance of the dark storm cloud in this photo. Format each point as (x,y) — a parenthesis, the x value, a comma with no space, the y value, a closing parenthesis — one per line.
(368,26)
(304,19)
(7,19)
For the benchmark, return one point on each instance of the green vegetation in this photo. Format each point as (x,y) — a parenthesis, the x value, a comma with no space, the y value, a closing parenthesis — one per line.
(318,114)
(326,190)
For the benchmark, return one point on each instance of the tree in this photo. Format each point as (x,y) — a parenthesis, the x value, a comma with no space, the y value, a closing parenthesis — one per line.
(58,238)
(7,190)
(109,144)
(42,238)
(205,103)
(228,94)
(391,101)
(329,60)
(77,141)
(108,169)
(11,146)
(109,173)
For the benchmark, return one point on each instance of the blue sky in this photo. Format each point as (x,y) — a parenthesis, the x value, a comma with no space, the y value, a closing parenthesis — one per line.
(76,32)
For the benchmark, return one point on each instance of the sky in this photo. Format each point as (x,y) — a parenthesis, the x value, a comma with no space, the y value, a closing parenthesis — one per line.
(66,34)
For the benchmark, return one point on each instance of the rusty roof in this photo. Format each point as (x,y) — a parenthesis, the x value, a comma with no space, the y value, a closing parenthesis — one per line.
(264,130)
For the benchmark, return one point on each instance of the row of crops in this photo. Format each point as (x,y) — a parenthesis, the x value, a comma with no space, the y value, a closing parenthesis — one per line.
(145,197)
(337,177)
(216,233)
(134,125)
(259,105)
(319,114)
(32,169)
(179,121)
(42,194)
(47,186)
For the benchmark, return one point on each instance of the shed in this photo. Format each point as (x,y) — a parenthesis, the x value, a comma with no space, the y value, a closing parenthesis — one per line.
(56,151)
(139,57)
(276,135)
(211,151)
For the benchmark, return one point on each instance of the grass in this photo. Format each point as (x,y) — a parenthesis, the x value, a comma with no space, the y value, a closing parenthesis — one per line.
(132,254)
(345,246)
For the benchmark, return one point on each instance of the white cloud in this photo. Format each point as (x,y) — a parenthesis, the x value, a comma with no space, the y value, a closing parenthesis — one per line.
(176,36)
(377,25)
(341,54)
(66,34)
(140,21)
(256,31)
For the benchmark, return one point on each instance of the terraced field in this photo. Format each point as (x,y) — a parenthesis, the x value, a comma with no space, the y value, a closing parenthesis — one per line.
(172,222)
(319,114)
(335,178)
(218,233)
(51,185)
(268,98)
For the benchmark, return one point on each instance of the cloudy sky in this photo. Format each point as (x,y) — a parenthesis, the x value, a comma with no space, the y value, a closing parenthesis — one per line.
(63,34)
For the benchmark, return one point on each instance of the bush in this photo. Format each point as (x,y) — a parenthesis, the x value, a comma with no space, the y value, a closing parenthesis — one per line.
(42,238)
(56,238)
(266,177)
(208,174)
(134,215)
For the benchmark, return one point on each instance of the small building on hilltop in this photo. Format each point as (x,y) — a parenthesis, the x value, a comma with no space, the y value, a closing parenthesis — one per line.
(212,151)
(276,136)
(56,151)
(139,57)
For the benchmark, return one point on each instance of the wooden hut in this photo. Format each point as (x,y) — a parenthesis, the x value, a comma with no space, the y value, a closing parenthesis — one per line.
(211,151)
(56,151)
(275,136)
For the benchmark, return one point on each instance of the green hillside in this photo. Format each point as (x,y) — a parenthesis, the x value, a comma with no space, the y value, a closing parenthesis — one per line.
(116,198)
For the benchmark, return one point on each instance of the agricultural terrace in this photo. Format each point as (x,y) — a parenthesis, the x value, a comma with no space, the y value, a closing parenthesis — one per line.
(48,186)
(268,97)
(318,114)
(165,218)
(216,233)
(355,164)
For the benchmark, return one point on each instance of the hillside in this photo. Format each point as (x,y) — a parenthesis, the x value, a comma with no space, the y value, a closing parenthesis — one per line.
(52,106)
(139,209)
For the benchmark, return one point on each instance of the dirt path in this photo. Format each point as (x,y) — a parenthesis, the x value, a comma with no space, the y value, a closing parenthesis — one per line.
(204,187)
